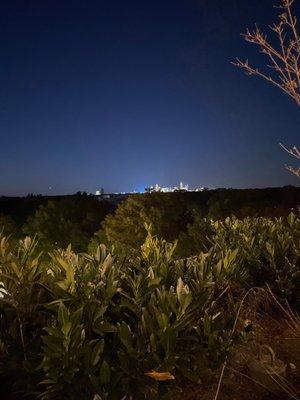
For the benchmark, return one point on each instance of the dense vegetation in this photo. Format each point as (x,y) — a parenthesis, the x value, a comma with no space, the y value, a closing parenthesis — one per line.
(78,219)
(56,221)
(183,216)
(99,325)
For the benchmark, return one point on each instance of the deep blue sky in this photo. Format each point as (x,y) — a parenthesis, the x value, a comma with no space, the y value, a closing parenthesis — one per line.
(123,94)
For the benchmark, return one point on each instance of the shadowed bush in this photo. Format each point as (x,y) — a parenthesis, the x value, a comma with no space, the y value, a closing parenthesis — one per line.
(98,325)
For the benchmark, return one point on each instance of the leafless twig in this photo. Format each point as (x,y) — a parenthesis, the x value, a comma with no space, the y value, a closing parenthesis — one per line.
(283,69)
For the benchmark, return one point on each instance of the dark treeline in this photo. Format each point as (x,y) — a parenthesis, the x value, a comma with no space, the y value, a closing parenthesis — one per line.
(55,220)
(185,217)
(83,219)
(217,203)
(20,208)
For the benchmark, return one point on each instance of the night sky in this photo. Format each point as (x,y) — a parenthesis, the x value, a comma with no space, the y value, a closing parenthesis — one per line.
(124,94)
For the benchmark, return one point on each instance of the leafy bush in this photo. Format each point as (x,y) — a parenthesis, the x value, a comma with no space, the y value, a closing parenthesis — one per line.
(269,249)
(101,326)
(168,213)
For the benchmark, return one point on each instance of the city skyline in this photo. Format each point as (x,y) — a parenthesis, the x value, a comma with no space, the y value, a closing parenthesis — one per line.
(156,188)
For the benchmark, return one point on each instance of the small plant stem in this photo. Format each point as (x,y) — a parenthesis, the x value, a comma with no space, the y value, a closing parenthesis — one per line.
(220,380)
(22,337)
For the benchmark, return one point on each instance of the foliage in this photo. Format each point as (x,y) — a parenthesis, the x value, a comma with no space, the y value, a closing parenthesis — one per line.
(96,325)
(196,238)
(168,213)
(186,216)
(70,220)
(268,249)
(7,225)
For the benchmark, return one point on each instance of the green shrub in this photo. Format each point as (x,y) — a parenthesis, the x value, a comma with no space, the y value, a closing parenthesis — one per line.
(101,326)
(268,250)
(67,220)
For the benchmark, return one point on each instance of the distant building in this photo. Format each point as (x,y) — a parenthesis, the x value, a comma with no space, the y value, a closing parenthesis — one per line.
(183,188)
(99,192)
(151,189)
(156,189)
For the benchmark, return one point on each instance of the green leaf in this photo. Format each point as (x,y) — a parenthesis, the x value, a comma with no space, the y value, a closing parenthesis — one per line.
(104,373)
(76,317)
(53,344)
(97,352)
(125,335)
(66,328)
(63,314)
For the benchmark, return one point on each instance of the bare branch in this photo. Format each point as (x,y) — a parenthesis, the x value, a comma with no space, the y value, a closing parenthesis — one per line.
(284,57)
(294,151)
(293,170)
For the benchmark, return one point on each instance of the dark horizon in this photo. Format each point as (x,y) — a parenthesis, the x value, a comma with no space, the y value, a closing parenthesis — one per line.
(125,96)
(126,194)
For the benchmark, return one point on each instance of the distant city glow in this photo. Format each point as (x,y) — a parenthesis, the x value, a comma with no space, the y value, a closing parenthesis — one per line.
(181,188)
(156,189)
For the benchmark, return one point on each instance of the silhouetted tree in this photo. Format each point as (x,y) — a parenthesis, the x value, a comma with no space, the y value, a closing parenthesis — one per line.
(71,220)
(167,213)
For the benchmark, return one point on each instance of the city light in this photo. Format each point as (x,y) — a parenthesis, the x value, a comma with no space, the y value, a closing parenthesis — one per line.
(181,188)
(154,189)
